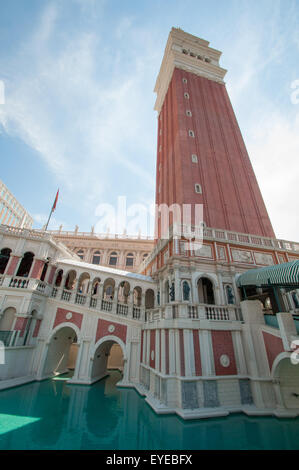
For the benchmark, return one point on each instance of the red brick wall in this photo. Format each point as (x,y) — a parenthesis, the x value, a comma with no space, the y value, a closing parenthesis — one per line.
(274,346)
(197,358)
(222,343)
(152,348)
(182,352)
(12,264)
(102,330)
(61,318)
(231,195)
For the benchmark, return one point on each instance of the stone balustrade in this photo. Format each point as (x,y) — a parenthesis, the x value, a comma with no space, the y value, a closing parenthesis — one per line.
(194,311)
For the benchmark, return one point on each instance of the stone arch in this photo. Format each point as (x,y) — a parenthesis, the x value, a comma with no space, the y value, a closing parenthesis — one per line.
(83,283)
(108,288)
(70,279)
(206,286)
(7,319)
(123,292)
(25,264)
(58,278)
(95,284)
(137,296)
(286,376)
(149,298)
(58,346)
(100,354)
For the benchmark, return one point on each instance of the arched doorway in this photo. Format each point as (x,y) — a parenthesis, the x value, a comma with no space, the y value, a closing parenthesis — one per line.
(205,291)
(108,355)
(4,258)
(149,298)
(62,352)
(287,375)
(25,265)
(70,280)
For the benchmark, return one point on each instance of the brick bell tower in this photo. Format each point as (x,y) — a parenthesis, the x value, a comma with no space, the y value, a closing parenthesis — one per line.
(201,155)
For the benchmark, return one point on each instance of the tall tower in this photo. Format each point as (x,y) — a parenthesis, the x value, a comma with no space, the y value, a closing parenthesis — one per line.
(202,158)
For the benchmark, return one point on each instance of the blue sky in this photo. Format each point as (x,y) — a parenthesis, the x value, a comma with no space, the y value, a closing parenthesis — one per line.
(78,113)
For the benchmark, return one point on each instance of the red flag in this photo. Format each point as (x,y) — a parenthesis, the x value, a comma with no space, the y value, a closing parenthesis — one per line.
(55,202)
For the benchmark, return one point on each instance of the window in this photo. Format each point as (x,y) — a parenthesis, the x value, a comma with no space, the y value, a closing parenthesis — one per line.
(96,259)
(198,188)
(188,112)
(184,80)
(191,133)
(186,95)
(194,158)
(130,259)
(113,259)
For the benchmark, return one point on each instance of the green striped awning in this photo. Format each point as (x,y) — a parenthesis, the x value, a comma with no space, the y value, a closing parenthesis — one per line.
(285,274)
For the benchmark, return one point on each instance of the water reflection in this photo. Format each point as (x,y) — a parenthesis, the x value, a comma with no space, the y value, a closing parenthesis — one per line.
(102,416)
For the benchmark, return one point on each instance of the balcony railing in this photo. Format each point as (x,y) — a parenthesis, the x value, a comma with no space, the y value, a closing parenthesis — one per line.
(197,312)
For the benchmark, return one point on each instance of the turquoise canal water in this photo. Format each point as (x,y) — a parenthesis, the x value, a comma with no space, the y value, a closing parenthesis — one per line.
(54,415)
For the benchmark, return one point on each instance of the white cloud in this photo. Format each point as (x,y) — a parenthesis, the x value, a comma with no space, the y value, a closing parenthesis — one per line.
(81,124)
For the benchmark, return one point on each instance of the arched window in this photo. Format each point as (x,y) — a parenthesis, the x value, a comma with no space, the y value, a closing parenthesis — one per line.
(123,292)
(96,259)
(149,298)
(25,265)
(7,319)
(80,253)
(205,291)
(145,255)
(59,278)
(4,258)
(130,259)
(113,259)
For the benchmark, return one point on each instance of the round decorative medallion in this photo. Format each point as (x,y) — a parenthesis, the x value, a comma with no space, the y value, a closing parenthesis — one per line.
(152,355)
(111,328)
(69,315)
(224,360)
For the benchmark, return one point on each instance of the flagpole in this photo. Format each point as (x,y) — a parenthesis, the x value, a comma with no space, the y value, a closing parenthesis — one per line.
(48,219)
(52,210)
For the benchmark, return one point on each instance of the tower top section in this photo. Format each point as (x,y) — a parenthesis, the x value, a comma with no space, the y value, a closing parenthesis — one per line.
(190,53)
